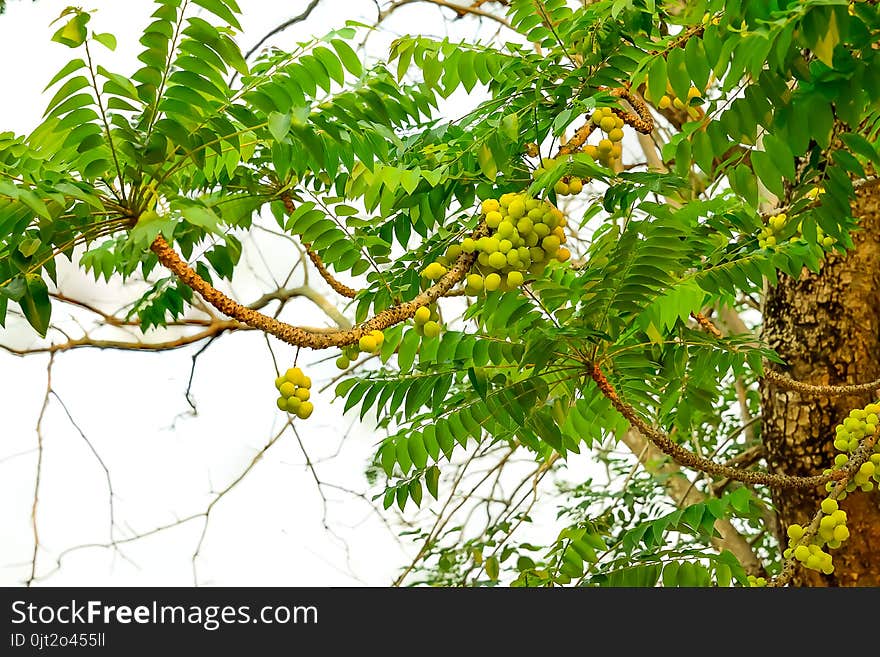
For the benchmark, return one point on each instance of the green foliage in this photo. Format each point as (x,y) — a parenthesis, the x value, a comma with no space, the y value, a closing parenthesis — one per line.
(779,105)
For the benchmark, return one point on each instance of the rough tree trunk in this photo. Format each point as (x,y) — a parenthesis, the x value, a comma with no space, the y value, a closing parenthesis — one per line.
(827,328)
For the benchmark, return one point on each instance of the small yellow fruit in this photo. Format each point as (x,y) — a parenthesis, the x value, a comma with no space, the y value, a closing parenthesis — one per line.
(607,124)
(516,209)
(561,188)
(615,135)
(563,254)
(490,205)
(497,260)
(575,186)
(380,337)
(423,314)
(605,147)
(302,393)
(282,403)
(293,403)
(295,376)
(550,243)
(279,381)
(431,329)
(493,219)
(468,245)
(367,343)
(515,279)
(474,282)
(665,102)
(676,102)
(342,362)
(287,389)
(305,409)
(307,382)
(492,282)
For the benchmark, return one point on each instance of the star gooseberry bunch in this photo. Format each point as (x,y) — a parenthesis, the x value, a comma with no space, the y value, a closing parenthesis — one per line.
(525,234)
(832,530)
(371,343)
(295,389)
(772,233)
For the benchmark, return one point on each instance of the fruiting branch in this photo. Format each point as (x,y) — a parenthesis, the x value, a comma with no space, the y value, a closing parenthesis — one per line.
(689,459)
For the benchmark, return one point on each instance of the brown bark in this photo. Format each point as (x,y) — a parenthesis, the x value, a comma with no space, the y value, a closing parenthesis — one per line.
(826,327)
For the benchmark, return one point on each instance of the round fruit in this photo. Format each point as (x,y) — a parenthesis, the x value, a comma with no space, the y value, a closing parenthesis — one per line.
(468,245)
(475,282)
(664,103)
(561,188)
(829,506)
(302,393)
(490,205)
(423,314)
(497,260)
(575,186)
(307,382)
(492,282)
(550,243)
(516,209)
(293,403)
(295,376)
(493,219)
(287,389)
(607,123)
(279,381)
(605,146)
(367,343)
(305,409)
(380,337)
(563,254)
(615,135)
(431,329)
(342,362)
(282,403)
(515,279)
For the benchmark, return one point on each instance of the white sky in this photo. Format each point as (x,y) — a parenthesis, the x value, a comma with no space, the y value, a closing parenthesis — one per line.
(164,464)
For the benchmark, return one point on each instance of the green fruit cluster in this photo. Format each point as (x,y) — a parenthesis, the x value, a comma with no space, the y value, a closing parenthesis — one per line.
(757,581)
(847,436)
(294,388)
(567,185)
(525,233)
(371,343)
(427,321)
(832,533)
(609,150)
(772,233)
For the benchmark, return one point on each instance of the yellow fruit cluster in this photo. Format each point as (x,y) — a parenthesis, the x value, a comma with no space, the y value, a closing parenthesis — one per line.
(860,423)
(525,234)
(371,343)
(669,99)
(294,388)
(427,321)
(567,185)
(757,581)
(769,236)
(832,531)
(609,149)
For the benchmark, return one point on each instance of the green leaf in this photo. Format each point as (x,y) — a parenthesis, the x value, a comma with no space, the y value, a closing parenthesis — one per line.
(492,567)
(348,57)
(676,69)
(487,162)
(73,34)
(106,39)
(279,125)
(432,480)
(657,80)
(35,304)
(199,215)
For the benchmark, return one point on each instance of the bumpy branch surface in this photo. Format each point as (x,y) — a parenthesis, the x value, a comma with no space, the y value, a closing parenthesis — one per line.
(691,460)
(340,288)
(298,336)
